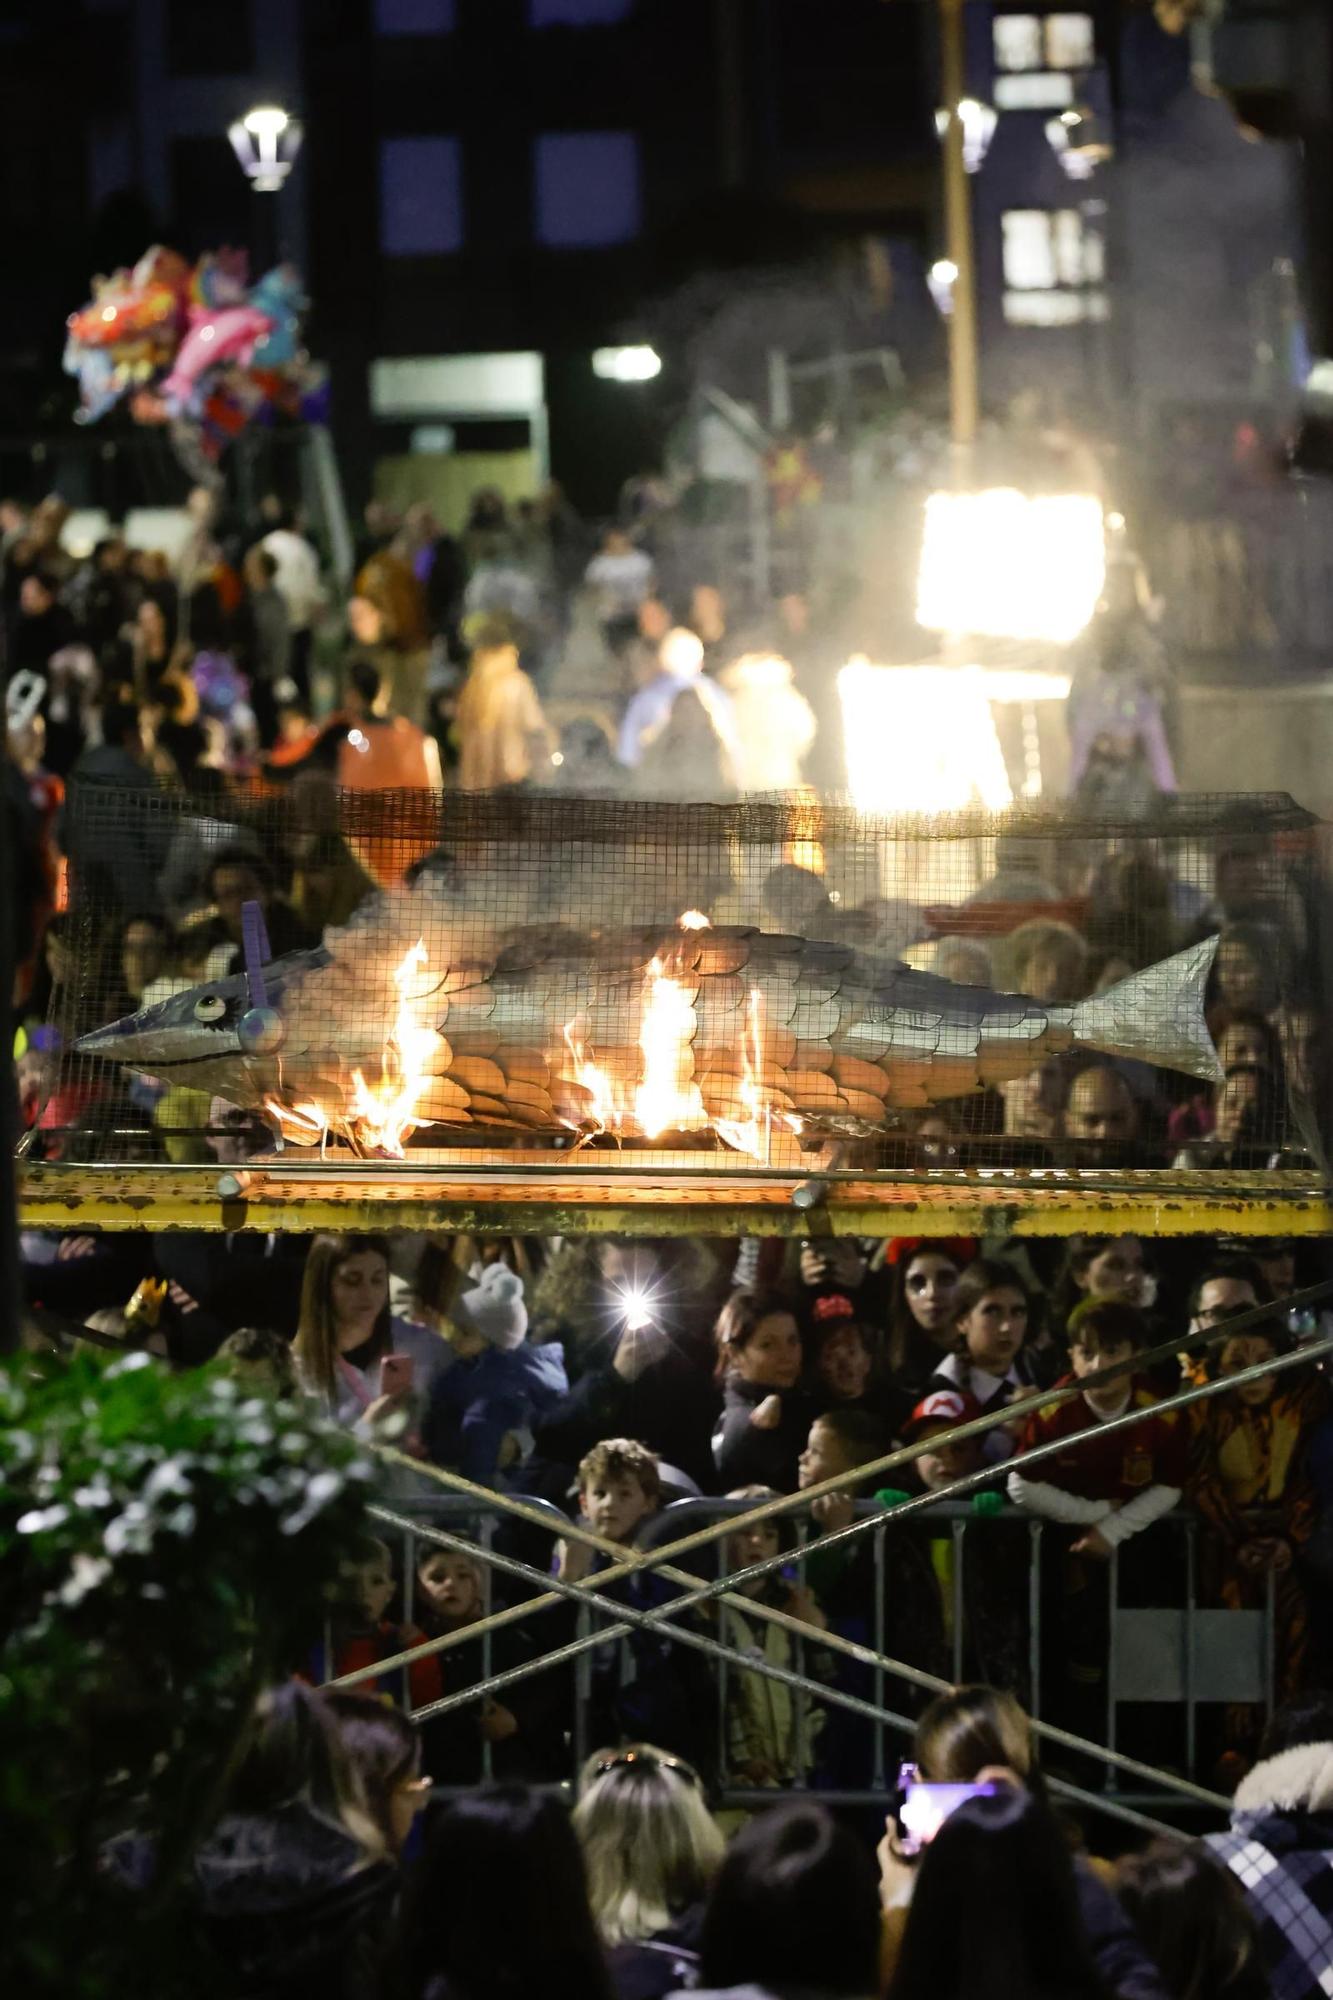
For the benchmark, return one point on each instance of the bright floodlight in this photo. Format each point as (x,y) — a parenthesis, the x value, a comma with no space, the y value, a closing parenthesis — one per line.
(626,364)
(266,142)
(920,739)
(999,565)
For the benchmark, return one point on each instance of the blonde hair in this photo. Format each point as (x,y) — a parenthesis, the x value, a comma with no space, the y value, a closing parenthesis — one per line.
(650,1844)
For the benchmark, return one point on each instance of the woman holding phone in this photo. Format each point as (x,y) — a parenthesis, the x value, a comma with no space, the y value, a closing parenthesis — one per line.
(979,1738)
(362,1362)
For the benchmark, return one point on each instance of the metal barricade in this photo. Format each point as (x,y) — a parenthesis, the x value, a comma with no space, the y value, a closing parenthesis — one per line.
(1183,1654)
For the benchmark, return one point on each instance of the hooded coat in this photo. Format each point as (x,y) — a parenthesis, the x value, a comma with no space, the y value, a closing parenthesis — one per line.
(1280,1849)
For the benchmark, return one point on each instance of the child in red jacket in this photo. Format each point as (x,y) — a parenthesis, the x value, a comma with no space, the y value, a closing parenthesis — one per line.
(361,1634)
(1104,1491)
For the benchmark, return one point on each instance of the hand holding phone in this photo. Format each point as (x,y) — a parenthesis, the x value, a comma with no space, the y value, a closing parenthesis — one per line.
(922,1808)
(396,1372)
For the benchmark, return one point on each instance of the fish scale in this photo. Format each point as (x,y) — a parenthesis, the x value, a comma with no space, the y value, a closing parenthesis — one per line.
(843,1036)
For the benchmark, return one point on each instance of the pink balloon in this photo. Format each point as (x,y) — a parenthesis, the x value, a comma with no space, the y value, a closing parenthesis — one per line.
(214,337)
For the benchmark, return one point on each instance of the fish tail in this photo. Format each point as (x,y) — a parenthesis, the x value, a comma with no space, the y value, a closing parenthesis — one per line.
(1155,1016)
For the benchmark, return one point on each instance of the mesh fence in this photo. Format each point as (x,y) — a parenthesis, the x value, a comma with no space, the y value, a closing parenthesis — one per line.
(769,984)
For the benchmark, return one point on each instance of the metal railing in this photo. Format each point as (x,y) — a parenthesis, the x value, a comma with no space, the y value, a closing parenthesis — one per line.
(624,1619)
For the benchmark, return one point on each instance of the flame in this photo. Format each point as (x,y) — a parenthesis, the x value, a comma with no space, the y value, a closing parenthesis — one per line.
(606,1111)
(384,1115)
(299,1124)
(750,1134)
(668,1099)
(694,920)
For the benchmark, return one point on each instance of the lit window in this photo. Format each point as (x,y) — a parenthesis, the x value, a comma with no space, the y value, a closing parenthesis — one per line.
(1069,41)
(1055,308)
(414,17)
(1016,39)
(421,197)
(1052,260)
(1034,90)
(587,189)
(577,13)
(1029,42)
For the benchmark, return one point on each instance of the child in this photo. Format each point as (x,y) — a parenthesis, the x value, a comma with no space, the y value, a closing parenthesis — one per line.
(844,1582)
(769,1726)
(642,1689)
(1115,1489)
(498,1383)
(1248,1480)
(620,1489)
(985,1575)
(1107,1490)
(990,1324)
(361,1634)
(765,1416)
(522,1727)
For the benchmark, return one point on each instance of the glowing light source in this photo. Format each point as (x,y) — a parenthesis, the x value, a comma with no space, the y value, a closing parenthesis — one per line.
(636,1309)
(626,364)
(1000,565)
(978,122)
(383,1115)
(920,739)
(266,142)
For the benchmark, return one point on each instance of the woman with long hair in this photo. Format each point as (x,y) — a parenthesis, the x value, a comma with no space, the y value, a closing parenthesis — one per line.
(346,1332)
(498,1906)
(974,1735)
(1191,1914)
(651,1848)
(795,1908)
(290,1892)
(384,1749)
(1004,1862)
(921,1314)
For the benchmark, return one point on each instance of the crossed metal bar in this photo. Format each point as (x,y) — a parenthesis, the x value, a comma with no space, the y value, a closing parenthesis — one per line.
(698,1590)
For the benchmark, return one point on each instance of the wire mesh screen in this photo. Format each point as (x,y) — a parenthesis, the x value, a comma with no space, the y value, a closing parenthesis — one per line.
(388,976)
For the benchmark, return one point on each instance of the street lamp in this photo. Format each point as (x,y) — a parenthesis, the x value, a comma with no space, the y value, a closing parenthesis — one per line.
(266,142)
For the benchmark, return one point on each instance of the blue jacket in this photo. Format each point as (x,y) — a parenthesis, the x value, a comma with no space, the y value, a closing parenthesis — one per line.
(476,1401)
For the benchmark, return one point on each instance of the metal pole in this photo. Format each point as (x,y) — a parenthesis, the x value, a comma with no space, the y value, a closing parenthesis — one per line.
(964,352)
(799,1683)
(699,1591)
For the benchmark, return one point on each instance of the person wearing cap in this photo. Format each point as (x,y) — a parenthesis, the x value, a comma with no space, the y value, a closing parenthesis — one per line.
(499,1383)
(986,1576)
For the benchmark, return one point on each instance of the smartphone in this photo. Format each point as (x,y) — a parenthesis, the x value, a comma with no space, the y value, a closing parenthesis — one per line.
(922,1809)
(396,1374)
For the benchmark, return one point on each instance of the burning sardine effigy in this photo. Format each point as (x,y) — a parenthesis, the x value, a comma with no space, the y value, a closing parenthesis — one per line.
(417,1014)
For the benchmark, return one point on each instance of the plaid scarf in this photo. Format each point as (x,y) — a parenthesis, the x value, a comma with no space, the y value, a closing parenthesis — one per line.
(1283,1859)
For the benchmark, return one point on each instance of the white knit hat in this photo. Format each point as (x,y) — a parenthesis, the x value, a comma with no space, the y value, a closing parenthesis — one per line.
(495,1308)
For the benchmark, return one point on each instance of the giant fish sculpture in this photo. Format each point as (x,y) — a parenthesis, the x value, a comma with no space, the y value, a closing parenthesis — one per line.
(419,1013)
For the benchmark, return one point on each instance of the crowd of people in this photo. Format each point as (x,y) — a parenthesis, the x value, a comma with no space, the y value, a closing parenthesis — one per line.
(329,1870)
(238,665)
(617,1384)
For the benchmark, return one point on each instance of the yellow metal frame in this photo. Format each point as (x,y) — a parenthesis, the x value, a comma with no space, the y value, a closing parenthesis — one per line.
(586,1200)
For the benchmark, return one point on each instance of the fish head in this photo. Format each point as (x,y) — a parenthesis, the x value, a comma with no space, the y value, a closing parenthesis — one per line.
(210,1037)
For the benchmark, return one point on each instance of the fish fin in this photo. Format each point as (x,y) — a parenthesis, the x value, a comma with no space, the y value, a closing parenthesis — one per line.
(1156,1016)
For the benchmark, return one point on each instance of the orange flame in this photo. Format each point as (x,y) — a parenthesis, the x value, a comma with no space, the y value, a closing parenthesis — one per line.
(694,920)
(668,1099)
(750,1134)
(606,1111)
(384,1115)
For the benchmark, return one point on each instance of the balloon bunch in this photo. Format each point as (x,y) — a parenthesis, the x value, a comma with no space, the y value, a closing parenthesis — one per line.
(195,348)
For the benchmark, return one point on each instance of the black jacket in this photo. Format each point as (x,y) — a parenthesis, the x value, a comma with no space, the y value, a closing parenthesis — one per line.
(747,1456)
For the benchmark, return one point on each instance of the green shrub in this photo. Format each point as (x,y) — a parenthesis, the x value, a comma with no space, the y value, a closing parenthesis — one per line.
(167,1544)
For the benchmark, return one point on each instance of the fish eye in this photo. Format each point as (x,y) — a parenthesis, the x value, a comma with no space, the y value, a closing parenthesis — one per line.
(211,1007)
